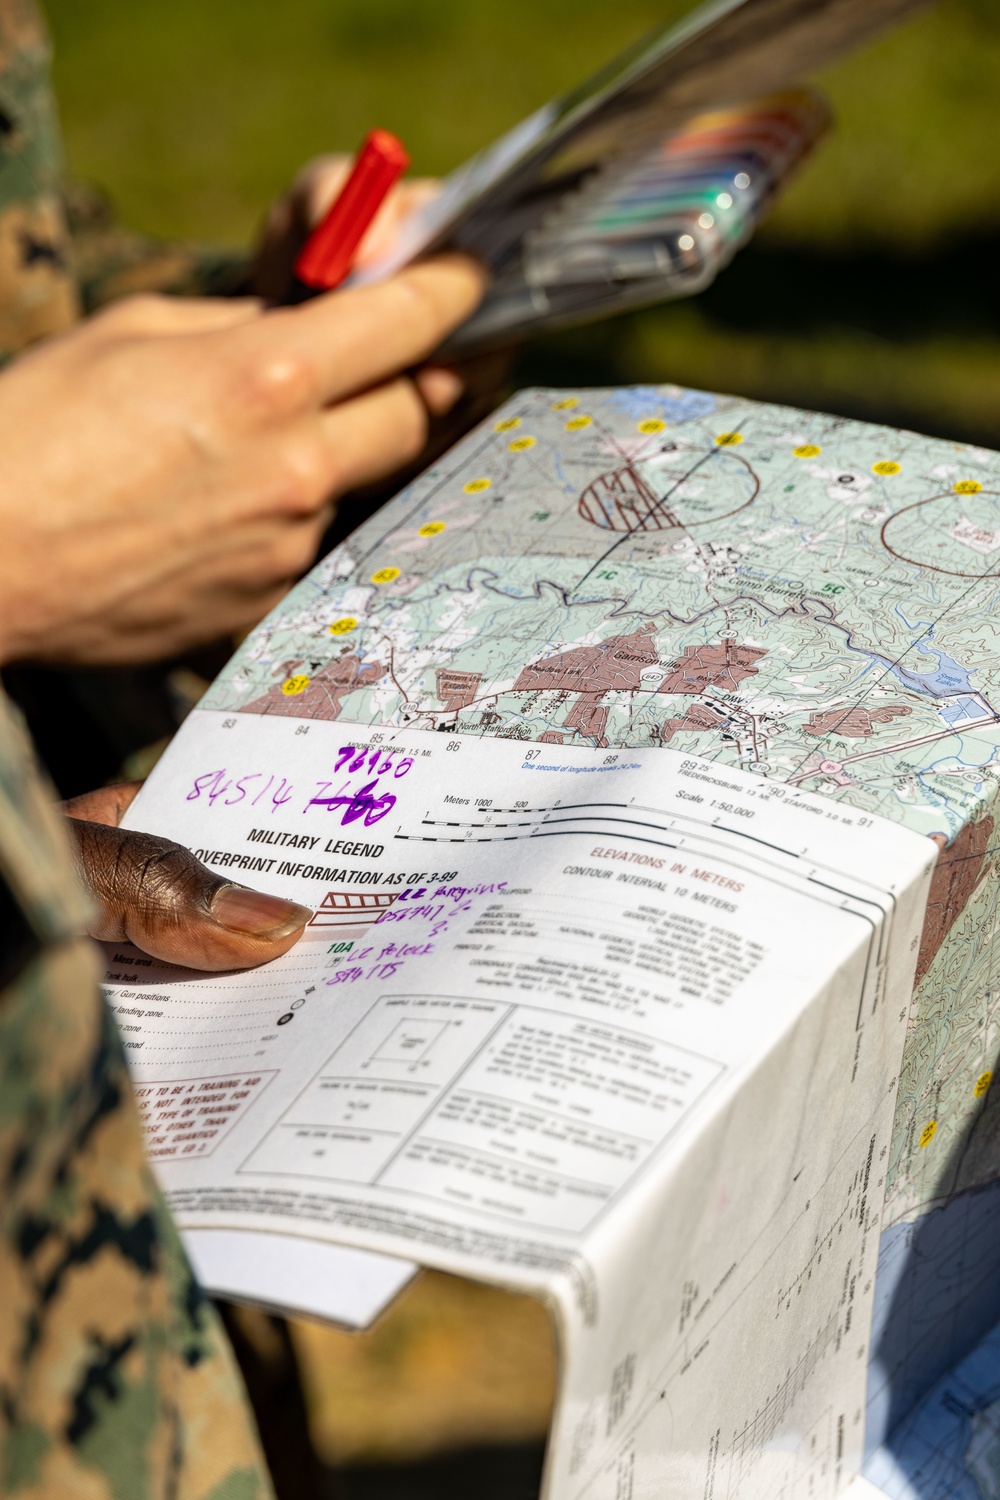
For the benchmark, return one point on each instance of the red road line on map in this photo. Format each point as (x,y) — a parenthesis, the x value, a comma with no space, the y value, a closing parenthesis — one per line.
(924,739)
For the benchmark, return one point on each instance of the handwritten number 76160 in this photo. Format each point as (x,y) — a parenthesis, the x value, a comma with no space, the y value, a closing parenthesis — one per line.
(367,802)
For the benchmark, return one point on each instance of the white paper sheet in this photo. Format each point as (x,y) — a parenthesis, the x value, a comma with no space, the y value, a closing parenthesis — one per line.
(620,1029)
(310,1277)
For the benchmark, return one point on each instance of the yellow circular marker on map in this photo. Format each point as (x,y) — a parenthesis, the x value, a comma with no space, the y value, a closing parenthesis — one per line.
(475,485)
(520,445)
(728,439)
(967,487)
(576,424)
(292,686)
(432,528)
(385,575)
(807,450)
(507,425)
(344,626)
(928,1133)
(651,425)
(982,1084)
(886,467)
(567,404)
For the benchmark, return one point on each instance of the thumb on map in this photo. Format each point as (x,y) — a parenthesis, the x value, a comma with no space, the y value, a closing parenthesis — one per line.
(153,893)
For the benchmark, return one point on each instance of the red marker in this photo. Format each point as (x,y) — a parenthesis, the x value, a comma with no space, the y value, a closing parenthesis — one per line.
(328,254)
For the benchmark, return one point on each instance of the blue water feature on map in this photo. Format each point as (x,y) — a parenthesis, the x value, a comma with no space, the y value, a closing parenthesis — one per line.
(948,1448)
(961,710)
(639,401)
(937,1292)
(947,678)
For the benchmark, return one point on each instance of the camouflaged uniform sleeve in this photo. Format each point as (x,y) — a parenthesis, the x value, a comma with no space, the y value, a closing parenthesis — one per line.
(116,1382)
(110,261)
(61,250)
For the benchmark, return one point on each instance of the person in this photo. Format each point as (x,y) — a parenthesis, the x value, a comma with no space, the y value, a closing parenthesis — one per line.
(166,468)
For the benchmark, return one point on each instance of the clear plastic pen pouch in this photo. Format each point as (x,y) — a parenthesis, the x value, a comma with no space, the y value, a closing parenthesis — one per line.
(655,222)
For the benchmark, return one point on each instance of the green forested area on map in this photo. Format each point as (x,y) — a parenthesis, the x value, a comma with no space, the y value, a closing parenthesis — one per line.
(870,292)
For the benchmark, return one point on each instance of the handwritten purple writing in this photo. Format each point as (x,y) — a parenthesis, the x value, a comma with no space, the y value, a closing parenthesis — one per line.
(214,785)
(369,802)
(398,768)
(387,960)
(361,802)
(444,904)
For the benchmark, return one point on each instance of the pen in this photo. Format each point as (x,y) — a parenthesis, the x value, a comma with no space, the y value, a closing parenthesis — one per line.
(328,254)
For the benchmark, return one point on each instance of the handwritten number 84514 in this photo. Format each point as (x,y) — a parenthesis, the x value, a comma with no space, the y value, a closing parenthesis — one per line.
(214,784)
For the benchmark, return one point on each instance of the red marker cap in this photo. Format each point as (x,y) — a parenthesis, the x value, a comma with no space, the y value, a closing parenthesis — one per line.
(328,254)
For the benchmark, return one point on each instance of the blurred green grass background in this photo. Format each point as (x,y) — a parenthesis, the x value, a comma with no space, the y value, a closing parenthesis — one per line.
(872,291)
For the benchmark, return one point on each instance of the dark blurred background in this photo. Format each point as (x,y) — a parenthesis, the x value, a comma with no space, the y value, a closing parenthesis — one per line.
(873,291)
